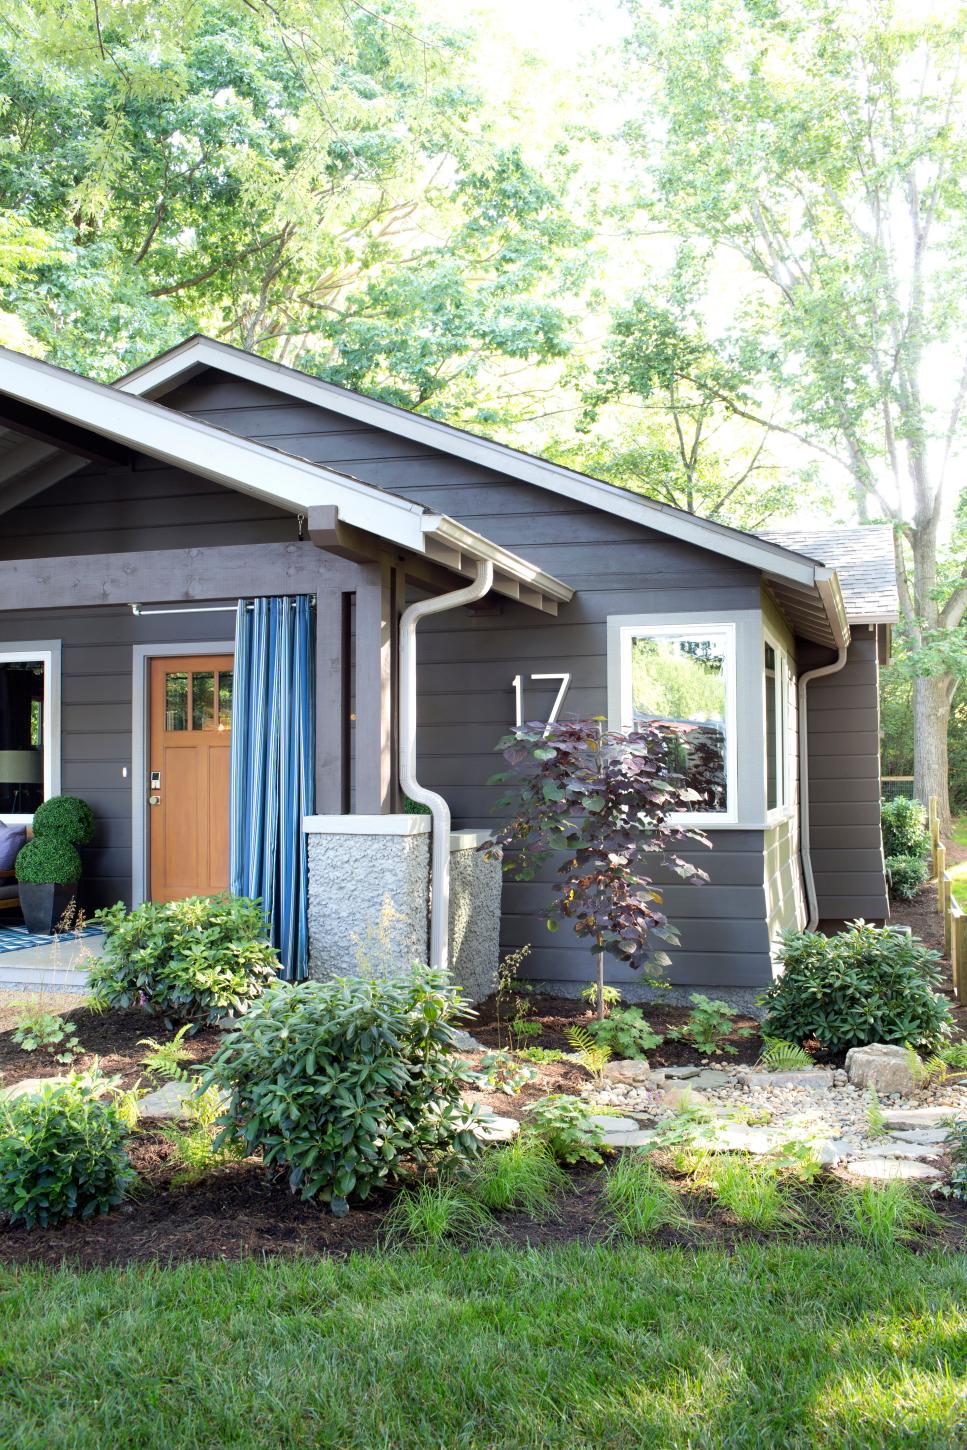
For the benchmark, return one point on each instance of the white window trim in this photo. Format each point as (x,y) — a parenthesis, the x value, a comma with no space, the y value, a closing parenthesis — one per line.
(49,651)
(775,815)
(745,717)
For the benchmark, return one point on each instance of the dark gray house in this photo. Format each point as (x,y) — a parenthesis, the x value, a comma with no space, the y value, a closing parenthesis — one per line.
(136,517)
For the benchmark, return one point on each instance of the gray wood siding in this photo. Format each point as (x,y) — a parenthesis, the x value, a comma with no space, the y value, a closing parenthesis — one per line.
(468,661)
(844,785)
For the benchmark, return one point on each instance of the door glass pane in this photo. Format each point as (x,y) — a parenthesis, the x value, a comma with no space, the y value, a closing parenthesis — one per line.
(176,701)
(225,699)
(21,736)
(203,700)
(682,679)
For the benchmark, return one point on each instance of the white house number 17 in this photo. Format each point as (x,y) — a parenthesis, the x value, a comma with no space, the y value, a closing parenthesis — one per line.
(565,679)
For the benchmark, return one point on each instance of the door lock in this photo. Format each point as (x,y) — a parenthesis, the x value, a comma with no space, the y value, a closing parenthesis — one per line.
(154,800)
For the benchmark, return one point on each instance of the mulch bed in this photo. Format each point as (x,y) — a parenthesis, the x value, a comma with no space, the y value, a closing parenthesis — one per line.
(110,1038)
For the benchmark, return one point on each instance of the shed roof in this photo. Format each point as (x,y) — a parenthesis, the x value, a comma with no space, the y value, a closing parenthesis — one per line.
(864,561)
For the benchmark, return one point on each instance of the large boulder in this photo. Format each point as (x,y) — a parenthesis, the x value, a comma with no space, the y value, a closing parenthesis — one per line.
(882,1066)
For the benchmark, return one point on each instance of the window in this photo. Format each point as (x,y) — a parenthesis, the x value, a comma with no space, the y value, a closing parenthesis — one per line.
(777,709)
(28,725)
(686,676)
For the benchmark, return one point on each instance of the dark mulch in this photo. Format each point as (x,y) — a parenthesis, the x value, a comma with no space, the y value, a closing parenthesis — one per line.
(111,1038)
(557,1014)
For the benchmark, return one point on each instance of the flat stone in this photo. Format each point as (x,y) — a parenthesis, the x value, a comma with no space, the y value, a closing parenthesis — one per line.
(167,1101)
(924,1136)
(640,1138)
(918,1117)
(833,1151)
(882,1066)
(628,1069)
(609,1124)
(466,1042)
(494,1129)
(820,1079)
(709,1079)
(683,1072)
(31,1085)
(887,1168)
(890,1148)
(729,1139)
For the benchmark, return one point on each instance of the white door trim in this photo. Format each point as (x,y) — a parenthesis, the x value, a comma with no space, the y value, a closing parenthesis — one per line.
(142,654)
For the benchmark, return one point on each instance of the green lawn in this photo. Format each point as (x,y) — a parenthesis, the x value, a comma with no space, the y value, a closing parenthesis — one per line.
(768,1347)
(958,873)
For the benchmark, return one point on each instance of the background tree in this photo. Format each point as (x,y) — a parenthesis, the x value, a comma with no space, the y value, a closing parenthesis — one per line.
(818,147)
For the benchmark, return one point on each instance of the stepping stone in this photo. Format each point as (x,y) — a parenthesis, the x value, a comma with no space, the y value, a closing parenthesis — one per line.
(891,1148)
(609,1124)
(818,1078)
(494,1129)
(683,1072)
(167,1101)
(741,1140)
(886,1168)
(708,1079)
(31,1085)
(640,1138)
(921,1135)
(919,1117)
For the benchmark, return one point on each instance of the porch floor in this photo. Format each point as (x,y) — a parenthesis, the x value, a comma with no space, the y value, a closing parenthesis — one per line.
(56,966)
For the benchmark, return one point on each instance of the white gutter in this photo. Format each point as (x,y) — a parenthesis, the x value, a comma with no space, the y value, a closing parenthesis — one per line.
(439,810)
(804,846)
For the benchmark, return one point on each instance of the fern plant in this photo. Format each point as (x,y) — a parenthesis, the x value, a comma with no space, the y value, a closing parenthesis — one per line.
(589,1054)
(164,1059)
(780,1056)
(875,1121)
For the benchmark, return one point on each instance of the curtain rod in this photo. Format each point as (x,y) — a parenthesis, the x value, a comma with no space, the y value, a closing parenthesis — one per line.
(141,612)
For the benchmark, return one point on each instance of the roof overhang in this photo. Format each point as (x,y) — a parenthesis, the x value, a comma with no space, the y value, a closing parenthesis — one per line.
(817,613)
(253,468)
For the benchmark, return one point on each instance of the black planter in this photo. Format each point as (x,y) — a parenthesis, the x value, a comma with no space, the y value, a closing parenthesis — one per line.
(44,903)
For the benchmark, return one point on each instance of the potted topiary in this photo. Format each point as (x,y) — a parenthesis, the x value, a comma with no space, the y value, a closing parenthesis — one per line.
(48,867)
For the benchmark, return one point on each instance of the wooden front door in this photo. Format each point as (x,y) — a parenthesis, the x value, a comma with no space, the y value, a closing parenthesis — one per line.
(188,765)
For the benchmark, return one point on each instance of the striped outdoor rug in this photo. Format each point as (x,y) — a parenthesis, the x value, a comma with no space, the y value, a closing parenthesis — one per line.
(17,938)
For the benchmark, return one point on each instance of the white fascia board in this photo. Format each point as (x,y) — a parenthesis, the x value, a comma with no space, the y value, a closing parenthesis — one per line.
(468,541)
(154,378)
(225,458)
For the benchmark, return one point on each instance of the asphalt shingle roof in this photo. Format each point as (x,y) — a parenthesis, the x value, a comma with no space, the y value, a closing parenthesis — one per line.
(863,559)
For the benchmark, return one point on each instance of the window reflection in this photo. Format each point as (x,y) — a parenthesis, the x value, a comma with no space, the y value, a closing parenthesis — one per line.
(681,679)
(21,736)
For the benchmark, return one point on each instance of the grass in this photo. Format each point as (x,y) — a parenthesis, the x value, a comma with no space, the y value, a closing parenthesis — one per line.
(752,1193)
(783,1346)
(884,1215)
(522,1177)
(639,1198)
(435,1214)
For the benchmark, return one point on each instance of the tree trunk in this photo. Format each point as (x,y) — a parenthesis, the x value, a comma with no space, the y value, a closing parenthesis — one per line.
(931,715)
(600,966)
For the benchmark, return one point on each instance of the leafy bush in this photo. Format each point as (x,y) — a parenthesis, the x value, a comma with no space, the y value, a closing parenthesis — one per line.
(62,1154)
(190,961)
(37,1028)
(540,1055)
(907,875)
(48,860)
(66,816)
(626,1033)
(956,1185)
(499,1072)
(709,1026)
(904,825)
(866,984)
(610,996)
(345,1082)
(564,1125)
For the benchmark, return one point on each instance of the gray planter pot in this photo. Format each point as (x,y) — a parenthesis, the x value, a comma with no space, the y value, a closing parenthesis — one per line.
(44,903)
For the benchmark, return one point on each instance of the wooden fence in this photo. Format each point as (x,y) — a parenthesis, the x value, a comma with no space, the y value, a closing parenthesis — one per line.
(954,917)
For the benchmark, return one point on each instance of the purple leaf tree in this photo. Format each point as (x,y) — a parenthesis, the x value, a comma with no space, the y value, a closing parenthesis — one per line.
(600,800)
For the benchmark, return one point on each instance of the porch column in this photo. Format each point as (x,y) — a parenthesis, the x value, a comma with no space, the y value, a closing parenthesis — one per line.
(377,611)
(332,701)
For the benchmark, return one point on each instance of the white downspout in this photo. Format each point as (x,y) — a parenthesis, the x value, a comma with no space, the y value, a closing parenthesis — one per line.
(439,810)
(804,847)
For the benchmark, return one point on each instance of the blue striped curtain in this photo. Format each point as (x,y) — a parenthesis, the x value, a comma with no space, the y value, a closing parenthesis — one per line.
(273,766)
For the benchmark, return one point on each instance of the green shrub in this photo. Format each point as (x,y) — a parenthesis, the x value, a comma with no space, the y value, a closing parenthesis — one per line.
(62,1154)
(522,1177)
(66,816)
(610,996)
(904,825)
(434,1214)
(709,1026)
(626,1033)
(37,1028)
(344,1083)
(907,875)
(956,1185)
(883,1215)
(866,984)
(48,859)
(640,1199)
(187,961)
(564,1125)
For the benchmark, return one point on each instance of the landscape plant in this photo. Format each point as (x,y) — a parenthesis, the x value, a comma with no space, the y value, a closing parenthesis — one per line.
(192,961)
(865,984)
(779,1056)
(709,1026)
(523,1176)
(903,822)
(754,1193)
(641,1201)
(610,996)
(166,1059)
(194,1145)
(565,1125)
(499,1072)
(343,1084)
(38,1029)
(587,1053)
(907,875)
(626,1033)
(883,1216)
(62,1153)
(602,800)
(956,1182)
(436,1213)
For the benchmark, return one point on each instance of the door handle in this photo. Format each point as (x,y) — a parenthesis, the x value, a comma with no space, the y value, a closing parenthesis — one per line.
(154,800)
